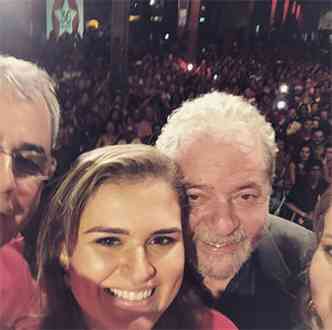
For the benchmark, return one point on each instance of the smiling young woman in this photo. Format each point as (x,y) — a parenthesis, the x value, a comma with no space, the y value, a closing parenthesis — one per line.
(111,251)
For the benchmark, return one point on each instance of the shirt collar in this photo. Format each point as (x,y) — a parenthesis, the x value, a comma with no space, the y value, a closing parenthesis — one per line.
(243,283)
(271,260)
(271,263)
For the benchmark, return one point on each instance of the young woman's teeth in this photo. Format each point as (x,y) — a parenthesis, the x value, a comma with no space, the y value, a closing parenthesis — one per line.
(130,295)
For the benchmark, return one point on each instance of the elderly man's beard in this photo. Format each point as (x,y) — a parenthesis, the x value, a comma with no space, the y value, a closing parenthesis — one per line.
(210,257)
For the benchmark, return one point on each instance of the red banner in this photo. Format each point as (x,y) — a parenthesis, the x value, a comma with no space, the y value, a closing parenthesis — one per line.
(298,12)
(273,11)
(285,13)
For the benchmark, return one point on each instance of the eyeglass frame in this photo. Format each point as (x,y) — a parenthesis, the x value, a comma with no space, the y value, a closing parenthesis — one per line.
(13,154)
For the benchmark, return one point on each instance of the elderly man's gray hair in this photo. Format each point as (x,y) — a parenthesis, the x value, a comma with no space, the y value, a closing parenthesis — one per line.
(221,115)
(28,82)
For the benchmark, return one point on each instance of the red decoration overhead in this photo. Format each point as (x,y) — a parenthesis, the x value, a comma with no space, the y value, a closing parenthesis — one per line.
(298,11)
(285,13)
(273,11)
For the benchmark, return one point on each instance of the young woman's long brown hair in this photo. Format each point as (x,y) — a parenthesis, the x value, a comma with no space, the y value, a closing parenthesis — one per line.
(122,163)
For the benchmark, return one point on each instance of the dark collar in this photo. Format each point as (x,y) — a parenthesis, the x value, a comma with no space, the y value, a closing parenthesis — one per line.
(268,258)
(243,283)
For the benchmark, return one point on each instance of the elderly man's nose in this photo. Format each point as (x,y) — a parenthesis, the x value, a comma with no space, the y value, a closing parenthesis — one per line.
(7,178)
(224,219)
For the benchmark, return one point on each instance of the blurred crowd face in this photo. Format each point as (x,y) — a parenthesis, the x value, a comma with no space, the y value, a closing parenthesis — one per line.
(315,121)
(228,190)
(127,265)
(305,153)
(25,144)
(324,115)
(318,137)
(321,274)
(315,172)
(330,121)
(328,153)
(307,125)
(314,108)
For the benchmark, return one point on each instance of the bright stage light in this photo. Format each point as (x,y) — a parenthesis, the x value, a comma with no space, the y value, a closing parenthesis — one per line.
(281,105)
(284,88)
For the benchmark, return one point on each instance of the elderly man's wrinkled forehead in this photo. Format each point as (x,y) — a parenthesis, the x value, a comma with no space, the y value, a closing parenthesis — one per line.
(16,97)
(243,137)
(243,141)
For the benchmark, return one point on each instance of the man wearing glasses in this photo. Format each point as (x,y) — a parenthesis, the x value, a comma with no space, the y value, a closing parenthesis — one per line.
(29,126)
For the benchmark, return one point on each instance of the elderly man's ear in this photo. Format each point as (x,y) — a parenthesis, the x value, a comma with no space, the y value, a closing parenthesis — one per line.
(52,167)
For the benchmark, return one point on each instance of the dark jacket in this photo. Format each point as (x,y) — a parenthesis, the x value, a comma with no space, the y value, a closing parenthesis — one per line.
(263,295)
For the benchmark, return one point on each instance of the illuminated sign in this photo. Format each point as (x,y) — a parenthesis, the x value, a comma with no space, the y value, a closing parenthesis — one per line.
(64,16)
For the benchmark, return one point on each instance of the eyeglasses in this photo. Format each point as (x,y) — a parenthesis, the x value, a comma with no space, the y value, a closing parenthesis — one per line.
(28,163)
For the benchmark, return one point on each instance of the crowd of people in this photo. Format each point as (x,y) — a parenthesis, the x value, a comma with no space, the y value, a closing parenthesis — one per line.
(293,94)
(180,234)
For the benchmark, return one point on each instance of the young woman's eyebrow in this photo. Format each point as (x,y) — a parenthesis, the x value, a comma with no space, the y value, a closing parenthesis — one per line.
(108,230)
(167,231)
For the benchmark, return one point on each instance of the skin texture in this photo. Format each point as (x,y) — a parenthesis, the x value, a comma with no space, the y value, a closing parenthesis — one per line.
(21,123)
(120,246)
(321,273)
(228,191)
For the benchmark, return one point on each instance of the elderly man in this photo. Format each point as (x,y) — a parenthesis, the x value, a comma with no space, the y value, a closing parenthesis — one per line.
(28,130)
(247,261)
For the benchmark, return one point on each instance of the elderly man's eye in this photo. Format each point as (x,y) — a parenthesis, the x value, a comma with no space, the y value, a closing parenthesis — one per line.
(193,197)
(194,194)
(248,197)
